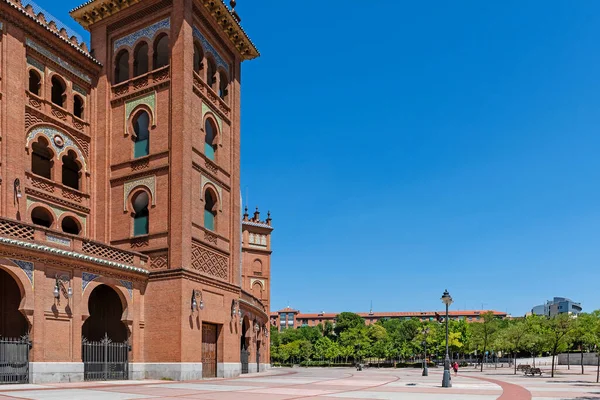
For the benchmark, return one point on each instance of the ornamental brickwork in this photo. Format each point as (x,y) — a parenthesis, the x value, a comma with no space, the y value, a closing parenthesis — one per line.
(120,211)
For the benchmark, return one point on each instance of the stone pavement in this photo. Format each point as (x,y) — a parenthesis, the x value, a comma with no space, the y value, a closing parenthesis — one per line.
(330,384)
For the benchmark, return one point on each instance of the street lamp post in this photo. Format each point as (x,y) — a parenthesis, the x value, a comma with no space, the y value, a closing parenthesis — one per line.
(446,382)
(425,333)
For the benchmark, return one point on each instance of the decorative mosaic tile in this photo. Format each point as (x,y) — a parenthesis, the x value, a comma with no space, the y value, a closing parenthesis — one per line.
(1,26)
(79,89)
(67,143)
(147,33)
(27,267)
(206,108)
(35,63)
(58,211)
(47,53)
(148,100)
(203,181)
(129,286)
(208,48)
(86,278)
(59,240)
(149,182)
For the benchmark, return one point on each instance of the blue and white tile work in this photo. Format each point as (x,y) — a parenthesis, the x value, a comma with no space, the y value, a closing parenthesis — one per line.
(147,33)
(208,48)
(51,133)
(86,278)
(35,63)
(79,89)
(129,286)
(49,17)
(47,53)
(26,266)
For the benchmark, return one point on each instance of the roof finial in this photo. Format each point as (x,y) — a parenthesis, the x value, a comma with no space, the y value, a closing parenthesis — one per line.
(246,213)
(268,221)
(233,3)
(256,215)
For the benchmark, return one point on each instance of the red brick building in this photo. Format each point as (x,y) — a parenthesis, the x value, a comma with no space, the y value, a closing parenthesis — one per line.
(120,207)
(290,318)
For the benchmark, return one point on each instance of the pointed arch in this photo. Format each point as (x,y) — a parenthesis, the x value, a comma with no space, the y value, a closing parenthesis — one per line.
(60,142)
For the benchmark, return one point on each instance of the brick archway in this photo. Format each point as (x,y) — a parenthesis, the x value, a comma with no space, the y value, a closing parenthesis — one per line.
(106,311)
(12,322)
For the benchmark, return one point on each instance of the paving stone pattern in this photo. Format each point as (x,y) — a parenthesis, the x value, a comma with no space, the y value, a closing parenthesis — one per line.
(300,383)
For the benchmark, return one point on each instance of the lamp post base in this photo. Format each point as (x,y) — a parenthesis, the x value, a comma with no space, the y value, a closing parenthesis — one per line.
(425,371)
(447,380)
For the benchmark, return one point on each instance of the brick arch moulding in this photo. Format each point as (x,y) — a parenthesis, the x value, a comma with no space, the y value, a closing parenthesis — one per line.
(148,100)
(149,182)
(60,141)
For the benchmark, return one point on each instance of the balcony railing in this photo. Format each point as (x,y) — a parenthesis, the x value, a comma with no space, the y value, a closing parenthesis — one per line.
(218,103)
(142,83)
(70,245)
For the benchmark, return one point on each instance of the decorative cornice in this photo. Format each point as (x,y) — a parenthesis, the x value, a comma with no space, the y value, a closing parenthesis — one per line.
(71,254)
(232,28)
(257,224)
(96,10)
(62,202)
(42,18)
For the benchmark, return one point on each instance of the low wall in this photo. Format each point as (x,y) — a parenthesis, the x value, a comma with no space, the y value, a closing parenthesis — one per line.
(575,359)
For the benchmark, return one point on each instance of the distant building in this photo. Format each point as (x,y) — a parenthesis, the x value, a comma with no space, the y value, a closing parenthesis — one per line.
(560,305)
(291,318)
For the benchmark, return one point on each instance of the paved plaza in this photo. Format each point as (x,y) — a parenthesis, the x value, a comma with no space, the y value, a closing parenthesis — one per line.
(301,383)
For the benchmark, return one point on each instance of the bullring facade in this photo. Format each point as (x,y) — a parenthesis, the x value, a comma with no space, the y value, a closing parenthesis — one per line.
(124,253)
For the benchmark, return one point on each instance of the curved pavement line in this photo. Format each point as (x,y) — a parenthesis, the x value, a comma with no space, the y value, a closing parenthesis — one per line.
(397,378)
(510,391)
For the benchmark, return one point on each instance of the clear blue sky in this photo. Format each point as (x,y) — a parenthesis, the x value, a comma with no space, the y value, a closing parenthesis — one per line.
(408,147)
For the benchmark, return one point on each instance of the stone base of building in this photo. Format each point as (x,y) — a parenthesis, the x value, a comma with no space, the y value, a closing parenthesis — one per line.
(229,370)
(56,372)
(264,367)
(174,371)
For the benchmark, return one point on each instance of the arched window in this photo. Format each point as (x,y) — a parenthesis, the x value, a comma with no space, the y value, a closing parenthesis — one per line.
(198,56)
(41,158)
(210,210)
(140,59)
(70,225)
(211,74)
(41,216)
(223,84)
(210,139)
(140,213)
(70,170)
(35,82)
(78,106)
(141,128)
(122,66)
(58,91)
(161,52)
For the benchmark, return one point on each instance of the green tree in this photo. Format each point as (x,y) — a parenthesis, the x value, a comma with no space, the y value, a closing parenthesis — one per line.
(305,350)
(322,347)
(557,330)
(346,321)
(512,337)
(583,334)
(358,339)
(484,333)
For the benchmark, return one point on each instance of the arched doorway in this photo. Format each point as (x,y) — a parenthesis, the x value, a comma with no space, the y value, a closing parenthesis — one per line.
(244,346)
(105,348)
(14,344)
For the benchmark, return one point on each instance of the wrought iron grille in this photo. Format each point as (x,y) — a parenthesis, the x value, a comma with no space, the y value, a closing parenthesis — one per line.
(245,356)
(14,360)
(105,360)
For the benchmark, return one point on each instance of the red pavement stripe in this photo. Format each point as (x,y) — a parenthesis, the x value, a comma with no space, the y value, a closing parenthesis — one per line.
(510,391)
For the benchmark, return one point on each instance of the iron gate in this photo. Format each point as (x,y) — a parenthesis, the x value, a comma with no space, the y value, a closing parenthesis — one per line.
(105,360)
(14,360)
(245,355)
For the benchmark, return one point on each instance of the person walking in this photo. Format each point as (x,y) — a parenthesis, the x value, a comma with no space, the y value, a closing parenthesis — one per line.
(455,368)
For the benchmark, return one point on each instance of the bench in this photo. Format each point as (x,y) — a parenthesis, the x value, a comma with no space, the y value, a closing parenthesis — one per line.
(533,372)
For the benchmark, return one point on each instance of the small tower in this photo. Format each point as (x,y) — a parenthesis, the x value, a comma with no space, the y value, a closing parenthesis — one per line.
(256,256)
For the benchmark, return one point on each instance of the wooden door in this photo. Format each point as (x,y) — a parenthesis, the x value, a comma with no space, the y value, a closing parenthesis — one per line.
(209,350)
